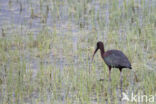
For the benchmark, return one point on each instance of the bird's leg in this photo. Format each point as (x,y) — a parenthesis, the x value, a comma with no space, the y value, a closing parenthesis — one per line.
(110,87)
(121,82)
(110,74)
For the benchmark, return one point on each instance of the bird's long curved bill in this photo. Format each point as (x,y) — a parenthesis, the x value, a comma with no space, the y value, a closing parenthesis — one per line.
(94,53)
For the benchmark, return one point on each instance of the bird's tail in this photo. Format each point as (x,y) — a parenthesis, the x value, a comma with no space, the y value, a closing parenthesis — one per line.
(130,67)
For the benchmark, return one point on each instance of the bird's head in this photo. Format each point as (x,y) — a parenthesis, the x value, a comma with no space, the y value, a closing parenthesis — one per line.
(99,45)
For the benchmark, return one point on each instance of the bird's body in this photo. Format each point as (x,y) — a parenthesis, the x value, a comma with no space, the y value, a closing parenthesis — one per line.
(116,59)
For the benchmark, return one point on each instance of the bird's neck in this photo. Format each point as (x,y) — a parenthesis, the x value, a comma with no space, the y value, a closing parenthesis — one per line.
(102,51)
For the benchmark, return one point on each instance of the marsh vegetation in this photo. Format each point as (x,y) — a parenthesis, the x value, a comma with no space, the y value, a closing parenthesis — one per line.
(46,48)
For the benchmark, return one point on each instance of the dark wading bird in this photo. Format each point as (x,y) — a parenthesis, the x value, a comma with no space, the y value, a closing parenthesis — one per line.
(113,59)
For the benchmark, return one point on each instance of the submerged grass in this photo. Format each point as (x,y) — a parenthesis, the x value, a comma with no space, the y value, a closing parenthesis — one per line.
(54,66)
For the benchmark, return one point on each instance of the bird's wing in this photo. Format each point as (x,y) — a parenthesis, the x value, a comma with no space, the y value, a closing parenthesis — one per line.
(116,58)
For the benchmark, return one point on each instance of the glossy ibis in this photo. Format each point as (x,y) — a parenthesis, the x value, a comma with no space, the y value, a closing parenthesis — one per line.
(113,59)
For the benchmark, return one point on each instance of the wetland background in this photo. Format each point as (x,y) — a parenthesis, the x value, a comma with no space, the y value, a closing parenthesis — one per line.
(46,48)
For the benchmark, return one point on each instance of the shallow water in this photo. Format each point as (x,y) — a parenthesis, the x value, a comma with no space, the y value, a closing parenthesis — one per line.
(72,36)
